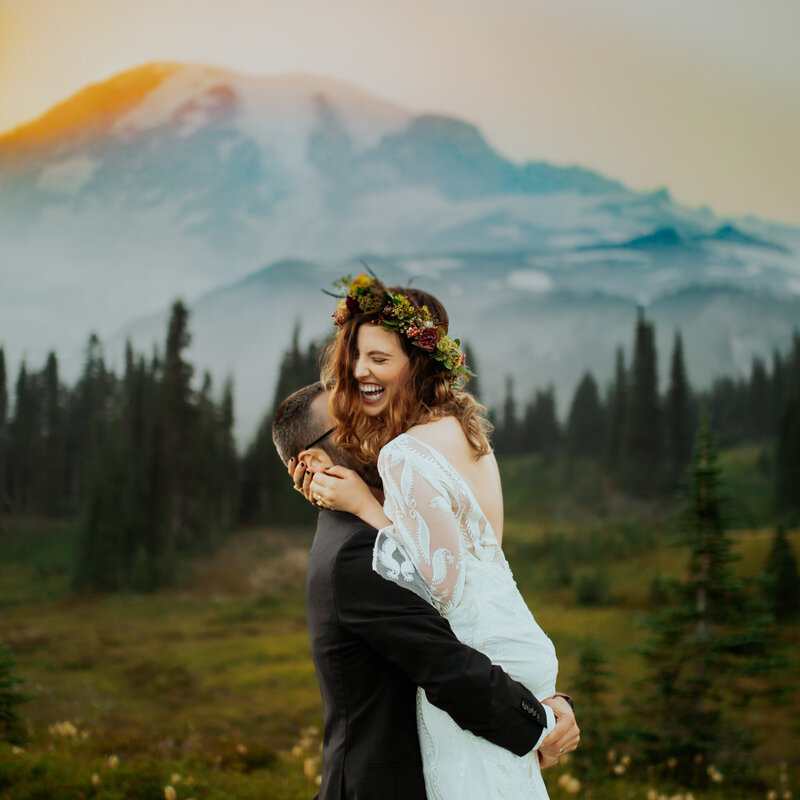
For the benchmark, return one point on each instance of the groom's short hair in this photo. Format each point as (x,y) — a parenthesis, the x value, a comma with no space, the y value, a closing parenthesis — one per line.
(295,425)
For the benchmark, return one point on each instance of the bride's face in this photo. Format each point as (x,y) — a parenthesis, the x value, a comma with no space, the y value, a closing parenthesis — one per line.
(381,367)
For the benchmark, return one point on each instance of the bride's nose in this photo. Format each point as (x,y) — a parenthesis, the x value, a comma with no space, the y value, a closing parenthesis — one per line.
(361,369)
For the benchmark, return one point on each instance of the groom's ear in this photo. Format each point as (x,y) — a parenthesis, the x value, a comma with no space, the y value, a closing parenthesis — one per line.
(315,459)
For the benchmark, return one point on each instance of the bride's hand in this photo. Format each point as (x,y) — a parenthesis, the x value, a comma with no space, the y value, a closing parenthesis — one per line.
(301,478)
(341,489)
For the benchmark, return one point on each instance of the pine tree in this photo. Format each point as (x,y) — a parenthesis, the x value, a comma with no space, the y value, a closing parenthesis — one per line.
(53,479)
(585,423)
(591,686)
(708,634)
(25,445)
(12,727)
(787,451)
(474,385)
(641,444)
(679,427)
(617,405)
(758,401)
(177,421)
(783,580)
(5,501)
(540,429)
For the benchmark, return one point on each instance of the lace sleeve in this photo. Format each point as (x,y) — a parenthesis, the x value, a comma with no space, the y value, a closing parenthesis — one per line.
(423,548)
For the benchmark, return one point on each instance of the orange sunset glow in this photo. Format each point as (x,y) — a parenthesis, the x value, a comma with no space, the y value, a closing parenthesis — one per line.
(699,99)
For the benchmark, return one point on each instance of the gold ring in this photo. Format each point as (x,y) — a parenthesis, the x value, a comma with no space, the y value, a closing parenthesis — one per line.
(297,488)
(560,750)
(319,501)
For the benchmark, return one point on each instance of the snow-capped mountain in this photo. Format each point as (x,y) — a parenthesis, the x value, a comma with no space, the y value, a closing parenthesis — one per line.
(174,180)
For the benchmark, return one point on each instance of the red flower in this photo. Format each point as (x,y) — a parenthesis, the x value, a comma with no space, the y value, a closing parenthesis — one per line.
(352,305)
(413,332)
(428,339)
(388,309)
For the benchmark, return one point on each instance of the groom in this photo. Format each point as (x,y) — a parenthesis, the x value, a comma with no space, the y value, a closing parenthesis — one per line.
(374,642)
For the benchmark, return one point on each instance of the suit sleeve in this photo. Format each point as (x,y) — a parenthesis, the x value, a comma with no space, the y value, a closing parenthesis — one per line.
(410,633)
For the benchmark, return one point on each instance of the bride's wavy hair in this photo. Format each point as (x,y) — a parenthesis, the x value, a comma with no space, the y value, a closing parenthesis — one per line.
(425,396)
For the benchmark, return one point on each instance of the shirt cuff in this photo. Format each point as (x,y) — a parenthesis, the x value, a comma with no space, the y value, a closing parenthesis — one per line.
(551,723)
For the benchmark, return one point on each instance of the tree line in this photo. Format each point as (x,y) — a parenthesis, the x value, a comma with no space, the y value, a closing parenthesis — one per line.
(643,438)
(147,462)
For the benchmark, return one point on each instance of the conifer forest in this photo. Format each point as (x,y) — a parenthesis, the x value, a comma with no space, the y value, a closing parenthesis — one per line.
(152,639)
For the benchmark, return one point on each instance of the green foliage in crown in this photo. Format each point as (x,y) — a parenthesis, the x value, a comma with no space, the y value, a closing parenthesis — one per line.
(400,314)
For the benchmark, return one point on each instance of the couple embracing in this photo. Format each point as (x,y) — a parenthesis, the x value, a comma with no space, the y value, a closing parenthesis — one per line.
(436,680)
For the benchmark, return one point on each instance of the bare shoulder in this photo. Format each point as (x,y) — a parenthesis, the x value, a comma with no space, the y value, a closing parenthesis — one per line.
(445,434)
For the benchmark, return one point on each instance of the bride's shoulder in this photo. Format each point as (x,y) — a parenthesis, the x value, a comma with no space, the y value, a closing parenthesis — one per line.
(444,430)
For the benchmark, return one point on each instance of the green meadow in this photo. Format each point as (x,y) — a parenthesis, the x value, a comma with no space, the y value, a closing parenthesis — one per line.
(207,690)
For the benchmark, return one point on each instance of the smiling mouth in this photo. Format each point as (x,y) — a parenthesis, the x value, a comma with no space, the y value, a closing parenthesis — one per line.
(371,392)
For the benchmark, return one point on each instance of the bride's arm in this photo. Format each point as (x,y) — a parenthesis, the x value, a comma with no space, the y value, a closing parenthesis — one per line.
(341,489)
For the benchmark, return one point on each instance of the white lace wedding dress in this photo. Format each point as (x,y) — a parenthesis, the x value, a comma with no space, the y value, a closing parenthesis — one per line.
(442,546)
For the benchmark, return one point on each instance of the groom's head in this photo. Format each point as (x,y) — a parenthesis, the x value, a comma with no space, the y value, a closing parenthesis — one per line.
(304,429)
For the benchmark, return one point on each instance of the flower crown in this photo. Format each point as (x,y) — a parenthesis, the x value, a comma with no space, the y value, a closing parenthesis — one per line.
(401,314)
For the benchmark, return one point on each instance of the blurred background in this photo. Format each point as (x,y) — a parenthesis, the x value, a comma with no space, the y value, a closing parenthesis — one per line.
(605,198)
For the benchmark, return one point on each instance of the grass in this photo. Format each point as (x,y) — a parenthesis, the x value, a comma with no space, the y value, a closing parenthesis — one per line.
(213,682)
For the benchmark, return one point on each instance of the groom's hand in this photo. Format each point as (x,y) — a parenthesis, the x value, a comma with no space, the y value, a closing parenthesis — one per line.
(563,738)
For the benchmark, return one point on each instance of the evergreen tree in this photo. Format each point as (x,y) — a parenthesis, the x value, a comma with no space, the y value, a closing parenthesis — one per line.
(177,421)
(12,727)
(591,686)
(25,445)
(641,444)
(777,390)
(783,580)
(474,385)
(679,426)
(787,451)
(540,429)
(585,423)
(617,405)
(758,401)
(707,635)
(266,492)
(53,480)
(507,433)
(5,502)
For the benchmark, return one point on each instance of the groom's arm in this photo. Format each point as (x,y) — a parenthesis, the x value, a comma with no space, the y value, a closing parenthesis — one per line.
(410,633)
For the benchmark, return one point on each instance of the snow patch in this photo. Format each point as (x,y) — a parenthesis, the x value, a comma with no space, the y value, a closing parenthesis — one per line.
(530,280)
(67,176)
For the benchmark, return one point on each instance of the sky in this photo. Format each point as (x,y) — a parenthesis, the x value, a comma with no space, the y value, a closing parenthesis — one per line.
(700,96)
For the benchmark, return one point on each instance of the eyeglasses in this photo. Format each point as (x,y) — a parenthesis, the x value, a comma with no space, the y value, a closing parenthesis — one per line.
(318,439)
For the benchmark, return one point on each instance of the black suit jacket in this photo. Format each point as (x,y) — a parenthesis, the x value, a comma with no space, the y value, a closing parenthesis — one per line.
(373,643)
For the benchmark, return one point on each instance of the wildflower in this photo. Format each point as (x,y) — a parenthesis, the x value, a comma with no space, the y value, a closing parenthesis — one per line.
(564,779)
(672,762)
(772,795)
(611,755)
(65,729)
(619,769)
(95,780)
(689,796)
(626,760)
(318,780)
(170,793)
(652,794)
(113,762)
(175,778)
(310,768)
(241,749)
(717,777)
(17,751)
(787,795)
(297,751)
(573,786)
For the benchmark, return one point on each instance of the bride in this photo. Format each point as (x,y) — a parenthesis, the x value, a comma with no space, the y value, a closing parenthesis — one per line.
(396,379)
